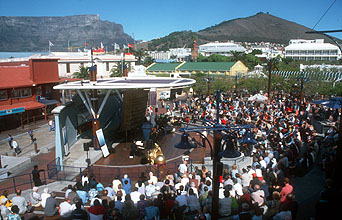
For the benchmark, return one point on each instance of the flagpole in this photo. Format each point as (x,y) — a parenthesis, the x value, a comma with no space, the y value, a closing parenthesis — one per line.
(49,47)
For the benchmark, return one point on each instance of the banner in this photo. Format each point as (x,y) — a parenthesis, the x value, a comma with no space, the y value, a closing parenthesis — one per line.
(102,142)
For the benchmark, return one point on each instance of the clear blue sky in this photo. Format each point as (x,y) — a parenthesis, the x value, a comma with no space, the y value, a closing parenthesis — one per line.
(156,18)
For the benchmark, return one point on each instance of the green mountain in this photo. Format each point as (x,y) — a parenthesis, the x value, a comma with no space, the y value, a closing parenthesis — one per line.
(260,27)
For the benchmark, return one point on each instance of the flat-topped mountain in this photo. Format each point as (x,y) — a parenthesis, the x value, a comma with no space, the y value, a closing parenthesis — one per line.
(18,33)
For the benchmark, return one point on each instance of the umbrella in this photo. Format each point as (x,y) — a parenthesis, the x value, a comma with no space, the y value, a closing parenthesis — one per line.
(334,102)
(258,98)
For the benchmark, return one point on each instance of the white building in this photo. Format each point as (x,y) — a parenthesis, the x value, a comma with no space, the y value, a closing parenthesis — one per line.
(225,48)
(70,62)
(179,54)
(312,50)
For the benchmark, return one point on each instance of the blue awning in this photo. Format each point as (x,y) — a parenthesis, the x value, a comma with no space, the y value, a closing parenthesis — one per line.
(48,101)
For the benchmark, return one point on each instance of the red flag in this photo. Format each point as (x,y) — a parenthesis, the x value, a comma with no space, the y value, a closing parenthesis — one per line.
(85,44)
(130,45)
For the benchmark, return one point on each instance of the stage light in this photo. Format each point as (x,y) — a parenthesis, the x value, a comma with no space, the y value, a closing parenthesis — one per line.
(160,159)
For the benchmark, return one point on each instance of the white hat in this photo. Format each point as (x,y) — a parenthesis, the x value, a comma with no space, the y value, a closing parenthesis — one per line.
(4,200)
(35,188)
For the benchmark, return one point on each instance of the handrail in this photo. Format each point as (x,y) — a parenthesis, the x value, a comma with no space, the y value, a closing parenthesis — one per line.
(14,182)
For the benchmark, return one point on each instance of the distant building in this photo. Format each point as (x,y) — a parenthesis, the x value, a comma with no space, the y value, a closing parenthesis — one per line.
(178,54)
(69,63)
(26,93)
(225,48)
(188,68)
(307,50)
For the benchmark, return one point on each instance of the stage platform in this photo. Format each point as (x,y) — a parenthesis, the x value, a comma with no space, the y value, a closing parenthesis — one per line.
(121,156)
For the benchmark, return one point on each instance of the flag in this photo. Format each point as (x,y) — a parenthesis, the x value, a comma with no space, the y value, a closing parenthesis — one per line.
(102,45)
(85,44)
(125,47)
(130,45)
(116,46)
(51,44)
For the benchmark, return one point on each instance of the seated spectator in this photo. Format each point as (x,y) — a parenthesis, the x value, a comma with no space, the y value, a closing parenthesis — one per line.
(105,196)
(51,206)
(14,213)
(285,190)
(116,183)
(65,209)
(141,205)
(96,211)
(20,202)
(35,197)
(258,196)
(92,193)
(44,196)
(150,188)
(153,178)
(193,202)
(135,195)
(4,211)
(225,205)
(68,190)
(99,187)
(5,195)
(245,214)
(110,192)
(79,213)
(82,194)
(112,212)
(151,211)
(129,211)
(273,206)
(73,195)
(118,204)
(284,213)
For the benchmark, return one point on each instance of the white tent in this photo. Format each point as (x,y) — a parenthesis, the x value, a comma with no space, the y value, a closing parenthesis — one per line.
(258,98)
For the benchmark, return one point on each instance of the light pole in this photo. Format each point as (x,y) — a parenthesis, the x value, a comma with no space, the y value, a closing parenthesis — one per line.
(216,150)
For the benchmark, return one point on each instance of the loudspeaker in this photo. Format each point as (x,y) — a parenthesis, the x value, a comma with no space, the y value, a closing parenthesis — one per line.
(86,146)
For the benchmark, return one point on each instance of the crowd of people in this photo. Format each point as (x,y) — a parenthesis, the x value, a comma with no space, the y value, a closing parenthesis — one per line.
(287,146)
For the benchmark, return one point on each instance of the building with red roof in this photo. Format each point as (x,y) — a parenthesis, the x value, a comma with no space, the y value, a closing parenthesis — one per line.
(26,92)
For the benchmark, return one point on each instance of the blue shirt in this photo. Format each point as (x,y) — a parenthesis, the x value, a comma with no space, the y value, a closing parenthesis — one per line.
(119,205)
(83,195)
(151,212)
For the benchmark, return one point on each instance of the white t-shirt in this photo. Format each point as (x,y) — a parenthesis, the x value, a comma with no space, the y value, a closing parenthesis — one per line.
(14,144)
(65,209)
(183,168)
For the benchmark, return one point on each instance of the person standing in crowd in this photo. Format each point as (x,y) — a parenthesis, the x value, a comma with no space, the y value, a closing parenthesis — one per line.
(10,138)
(16,147)
(30,133)
(36,176)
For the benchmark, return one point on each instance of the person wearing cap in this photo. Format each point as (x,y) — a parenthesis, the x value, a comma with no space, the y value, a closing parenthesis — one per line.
(5,195)
(44,196)
(4,211)
(35,197)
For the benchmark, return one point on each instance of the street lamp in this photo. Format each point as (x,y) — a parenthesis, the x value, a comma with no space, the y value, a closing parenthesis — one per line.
(220,133)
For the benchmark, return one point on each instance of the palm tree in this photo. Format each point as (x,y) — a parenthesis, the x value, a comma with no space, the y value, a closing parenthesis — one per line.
(238,56)
(83,73)
(140,54)
(117,70)
(271,64)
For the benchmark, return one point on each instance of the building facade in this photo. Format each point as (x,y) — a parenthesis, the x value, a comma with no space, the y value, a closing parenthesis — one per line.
(69,63)
(307,50)
(225,48)
(26,93)
(188,68)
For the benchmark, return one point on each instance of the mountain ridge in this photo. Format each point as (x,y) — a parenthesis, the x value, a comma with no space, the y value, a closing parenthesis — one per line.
(33,33)
(256,28)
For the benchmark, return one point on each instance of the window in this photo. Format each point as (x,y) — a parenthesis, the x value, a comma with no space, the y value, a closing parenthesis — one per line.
(39,91)
(3,95)
(21,93)
(68,67)
(107,66)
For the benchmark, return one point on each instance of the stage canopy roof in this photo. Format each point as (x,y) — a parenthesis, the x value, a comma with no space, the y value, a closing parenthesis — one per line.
(128,83)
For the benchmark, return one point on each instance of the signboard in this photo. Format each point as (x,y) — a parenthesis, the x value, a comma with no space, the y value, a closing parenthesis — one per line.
(12,111)
(102,142)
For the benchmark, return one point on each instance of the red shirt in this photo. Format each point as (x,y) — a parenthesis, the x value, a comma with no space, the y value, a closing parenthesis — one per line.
(284,191)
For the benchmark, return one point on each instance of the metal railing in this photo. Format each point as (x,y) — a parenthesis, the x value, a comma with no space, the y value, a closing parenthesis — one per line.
(23,182)
(106,174)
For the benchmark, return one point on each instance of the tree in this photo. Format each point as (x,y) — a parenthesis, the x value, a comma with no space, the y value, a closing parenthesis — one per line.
(238,56)
(148,61)
(140,54)
(117,70)
(82,73)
